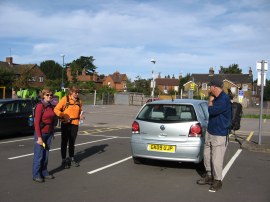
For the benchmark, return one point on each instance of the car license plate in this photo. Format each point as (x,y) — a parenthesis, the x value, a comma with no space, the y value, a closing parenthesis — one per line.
(161,148)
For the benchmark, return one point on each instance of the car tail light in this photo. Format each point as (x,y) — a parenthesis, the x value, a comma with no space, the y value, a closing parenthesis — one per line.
(135,127)
(195,130)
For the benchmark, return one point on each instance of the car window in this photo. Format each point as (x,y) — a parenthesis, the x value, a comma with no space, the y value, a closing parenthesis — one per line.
(10,107)
(167,113)
(204,107)
(25,106)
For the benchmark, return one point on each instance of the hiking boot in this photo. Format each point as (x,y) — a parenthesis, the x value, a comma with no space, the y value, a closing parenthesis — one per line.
(74,163)
(208,179)
(216,185)
(65,163)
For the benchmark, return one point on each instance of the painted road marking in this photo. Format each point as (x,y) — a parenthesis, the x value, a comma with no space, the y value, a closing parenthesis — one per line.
(31,154)
(230,163)
(108,166)
(87,132)
(250,135)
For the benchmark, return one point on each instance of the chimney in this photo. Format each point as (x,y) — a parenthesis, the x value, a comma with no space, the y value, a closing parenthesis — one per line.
(180,76)
(211,71)
(9,60)
(250,71)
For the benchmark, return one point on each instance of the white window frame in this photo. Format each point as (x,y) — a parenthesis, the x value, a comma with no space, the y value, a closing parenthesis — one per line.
(204,86)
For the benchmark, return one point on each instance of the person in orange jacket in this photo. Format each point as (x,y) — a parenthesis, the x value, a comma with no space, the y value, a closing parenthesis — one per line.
(69,110)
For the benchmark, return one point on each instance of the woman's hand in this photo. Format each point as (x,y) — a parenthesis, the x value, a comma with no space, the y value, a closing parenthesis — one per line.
(40,141)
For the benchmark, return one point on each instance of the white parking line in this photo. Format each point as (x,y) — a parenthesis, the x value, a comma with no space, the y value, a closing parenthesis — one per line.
(20,140)
(110,165)
(229,164)
(25,155)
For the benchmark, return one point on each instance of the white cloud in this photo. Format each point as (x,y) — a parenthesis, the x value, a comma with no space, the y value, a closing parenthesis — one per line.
(183,36)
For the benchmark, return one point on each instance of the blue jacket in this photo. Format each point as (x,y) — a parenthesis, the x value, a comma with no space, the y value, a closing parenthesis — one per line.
(220,115)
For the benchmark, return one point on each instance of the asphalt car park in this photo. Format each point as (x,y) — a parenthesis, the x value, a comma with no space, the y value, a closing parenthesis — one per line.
(107,172)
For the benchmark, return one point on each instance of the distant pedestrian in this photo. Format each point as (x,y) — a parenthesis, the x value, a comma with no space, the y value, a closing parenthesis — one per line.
(216,139)
(44,128)
(14,95)
(69,109)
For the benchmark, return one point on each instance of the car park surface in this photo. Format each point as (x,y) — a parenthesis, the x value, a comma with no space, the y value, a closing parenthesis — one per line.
(103,149)
(14,115)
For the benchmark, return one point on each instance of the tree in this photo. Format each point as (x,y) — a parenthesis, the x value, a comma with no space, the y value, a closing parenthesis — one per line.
(184,80)
(7,76)
(142,86)
(54,73)
(266,93)
(52,70)
(90,86)
(106,89)
(78,65)
(232,69)
(23,80)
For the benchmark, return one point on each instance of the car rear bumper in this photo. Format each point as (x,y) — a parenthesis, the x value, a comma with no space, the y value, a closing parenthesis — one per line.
(185,151)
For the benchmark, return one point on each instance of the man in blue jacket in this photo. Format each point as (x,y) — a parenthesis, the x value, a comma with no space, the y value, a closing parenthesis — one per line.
(216,138)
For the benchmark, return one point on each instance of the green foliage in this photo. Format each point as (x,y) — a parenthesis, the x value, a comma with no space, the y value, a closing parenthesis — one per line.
(184,80)
(53,84)
(78,65)
(88,86)
(52,70)
(54,73)
(7,77)
(141,86)
(256,116)
(106,89)
(23,80)
(232,69)
(266,92)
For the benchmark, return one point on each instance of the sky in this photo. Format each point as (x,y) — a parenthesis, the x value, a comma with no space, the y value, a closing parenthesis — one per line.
(182,36)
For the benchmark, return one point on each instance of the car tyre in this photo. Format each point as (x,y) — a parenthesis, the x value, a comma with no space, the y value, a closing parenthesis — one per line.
(137,160)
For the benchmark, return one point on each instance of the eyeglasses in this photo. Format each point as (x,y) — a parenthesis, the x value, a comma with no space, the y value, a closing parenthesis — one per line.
(49,95)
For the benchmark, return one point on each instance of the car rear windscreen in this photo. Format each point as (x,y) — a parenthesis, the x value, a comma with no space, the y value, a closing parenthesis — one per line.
(167,113)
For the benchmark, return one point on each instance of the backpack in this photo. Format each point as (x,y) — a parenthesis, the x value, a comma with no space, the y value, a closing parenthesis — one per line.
(237,111)
(31,118)
(67,103)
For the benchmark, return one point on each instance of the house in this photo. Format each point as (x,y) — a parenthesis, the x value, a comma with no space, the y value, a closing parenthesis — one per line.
(85,77)
(233,82)
(117,81)
(167,84)
(36,78)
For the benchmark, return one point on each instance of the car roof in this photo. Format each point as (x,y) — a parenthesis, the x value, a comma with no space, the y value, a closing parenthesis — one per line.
(178,101)
(10,99)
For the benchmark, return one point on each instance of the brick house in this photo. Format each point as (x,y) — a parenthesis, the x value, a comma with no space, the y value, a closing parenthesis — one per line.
(84,77)
(117,81)
(165,85)
(234,82)
(37,79)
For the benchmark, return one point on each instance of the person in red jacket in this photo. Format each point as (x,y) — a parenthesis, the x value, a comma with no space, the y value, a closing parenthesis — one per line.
(44,128)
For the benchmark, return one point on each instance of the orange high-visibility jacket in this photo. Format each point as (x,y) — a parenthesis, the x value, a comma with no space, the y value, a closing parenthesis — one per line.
(73,109)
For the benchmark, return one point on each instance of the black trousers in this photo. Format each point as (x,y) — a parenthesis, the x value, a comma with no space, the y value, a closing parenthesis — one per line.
(68,137)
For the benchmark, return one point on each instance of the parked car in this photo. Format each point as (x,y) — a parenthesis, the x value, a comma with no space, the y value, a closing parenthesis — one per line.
(170,130)
(14,115)
(152,99)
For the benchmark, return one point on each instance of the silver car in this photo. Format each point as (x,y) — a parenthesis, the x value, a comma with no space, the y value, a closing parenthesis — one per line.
(172,130)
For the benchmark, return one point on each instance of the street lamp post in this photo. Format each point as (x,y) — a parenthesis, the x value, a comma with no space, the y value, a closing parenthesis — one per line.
(62,84)
(153,79)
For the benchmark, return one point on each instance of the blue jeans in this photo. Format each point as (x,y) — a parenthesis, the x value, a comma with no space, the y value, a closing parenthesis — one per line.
(41,156)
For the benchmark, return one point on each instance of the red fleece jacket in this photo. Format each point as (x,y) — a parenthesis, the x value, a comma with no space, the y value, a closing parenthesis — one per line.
(47,118)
